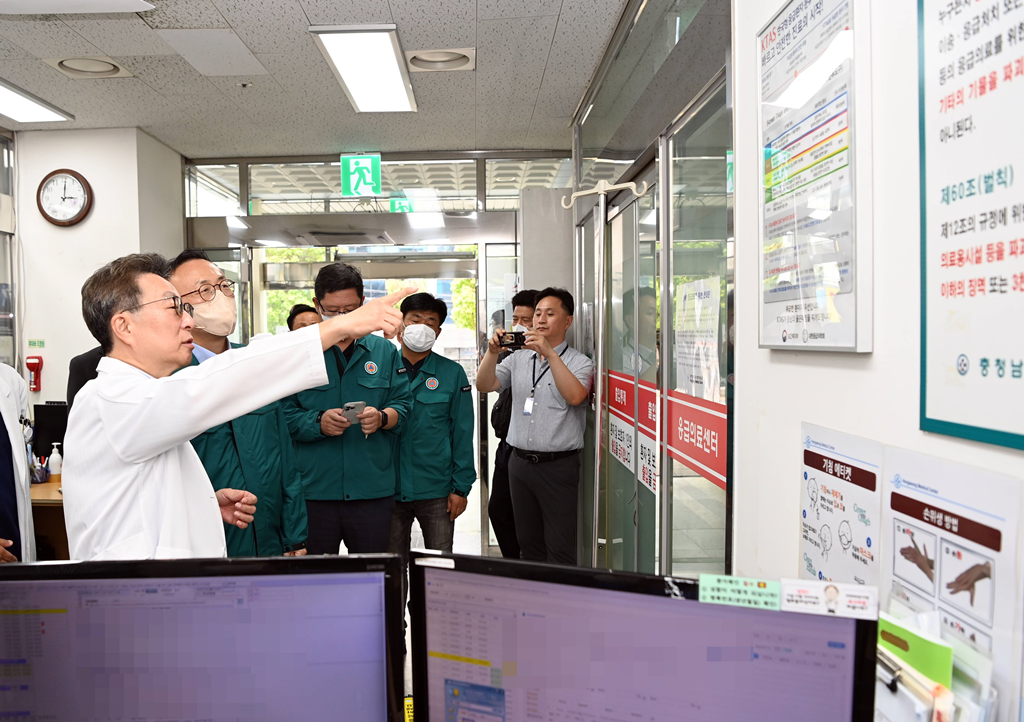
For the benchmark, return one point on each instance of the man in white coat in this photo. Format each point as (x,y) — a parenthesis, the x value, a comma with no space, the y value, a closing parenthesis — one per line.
(134,488)
(16,517)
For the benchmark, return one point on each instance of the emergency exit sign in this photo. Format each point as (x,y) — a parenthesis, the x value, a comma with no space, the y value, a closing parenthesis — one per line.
(401,205)
(360,175)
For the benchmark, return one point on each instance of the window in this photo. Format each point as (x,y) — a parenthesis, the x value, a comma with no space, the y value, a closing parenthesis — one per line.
(506,178)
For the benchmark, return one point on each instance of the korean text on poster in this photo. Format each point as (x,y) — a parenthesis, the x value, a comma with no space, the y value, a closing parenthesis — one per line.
(808,284)
(951,544)
(840,506)
(972,231)
(698,311)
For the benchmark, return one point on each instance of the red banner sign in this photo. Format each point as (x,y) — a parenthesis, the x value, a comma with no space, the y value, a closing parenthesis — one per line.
(696,433)
(620,393)
(648,408)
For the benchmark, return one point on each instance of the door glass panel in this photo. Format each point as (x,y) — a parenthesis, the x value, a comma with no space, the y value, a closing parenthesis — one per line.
(587,250)
(646,362)
(698,367)
(618,482)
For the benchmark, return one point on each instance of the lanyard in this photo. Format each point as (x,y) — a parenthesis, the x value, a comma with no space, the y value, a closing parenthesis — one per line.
(534,376)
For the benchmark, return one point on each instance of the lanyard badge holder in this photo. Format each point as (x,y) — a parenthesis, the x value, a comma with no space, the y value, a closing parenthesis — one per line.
(528,406)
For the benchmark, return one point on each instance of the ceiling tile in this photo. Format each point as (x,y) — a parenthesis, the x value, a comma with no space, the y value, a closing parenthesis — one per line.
(167,74)
(560,99)
(267,26)
(434,25)
(445,92)
(9,50)
(502,126)
(452,131)
(346,12)
(550,133)
(183,14)
(47,38)
(43,80)
(121,37)
(213,109)
(511,57)
(488,9)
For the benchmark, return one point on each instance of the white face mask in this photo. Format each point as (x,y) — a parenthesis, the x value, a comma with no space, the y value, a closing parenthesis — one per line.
(419,337)
(520,328)
(732,334)
(217,317)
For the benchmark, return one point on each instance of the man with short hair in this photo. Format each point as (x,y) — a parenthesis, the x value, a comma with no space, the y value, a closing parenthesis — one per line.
(134,487)
(252,452)
(436,469)
(301,316)
(348,468)
(550,384)
(499,504)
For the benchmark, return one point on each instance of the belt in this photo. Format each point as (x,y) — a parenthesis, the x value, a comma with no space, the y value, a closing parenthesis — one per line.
(540,457)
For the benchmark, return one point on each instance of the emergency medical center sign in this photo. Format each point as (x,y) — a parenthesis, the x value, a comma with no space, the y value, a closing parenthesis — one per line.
(972,219)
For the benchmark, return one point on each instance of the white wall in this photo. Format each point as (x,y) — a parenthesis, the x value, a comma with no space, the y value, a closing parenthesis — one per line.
(161,197)
(57,260)
(874,395)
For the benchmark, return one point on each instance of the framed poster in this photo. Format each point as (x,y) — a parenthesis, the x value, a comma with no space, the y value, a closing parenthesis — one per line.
(971,90)
(814,119)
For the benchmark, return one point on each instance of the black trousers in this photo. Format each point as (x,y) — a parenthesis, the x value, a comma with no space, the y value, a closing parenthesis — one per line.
(499,505)
(363,524)
(544,496)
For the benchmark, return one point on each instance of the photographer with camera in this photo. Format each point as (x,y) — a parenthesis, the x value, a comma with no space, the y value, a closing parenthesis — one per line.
(550,384)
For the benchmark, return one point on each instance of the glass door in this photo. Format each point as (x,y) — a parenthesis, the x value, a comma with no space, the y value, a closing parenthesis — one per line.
(698,369)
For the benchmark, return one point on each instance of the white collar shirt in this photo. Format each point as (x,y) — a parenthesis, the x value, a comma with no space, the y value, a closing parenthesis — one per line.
(134,488)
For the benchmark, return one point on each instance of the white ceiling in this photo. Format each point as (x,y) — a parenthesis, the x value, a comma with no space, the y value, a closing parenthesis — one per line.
(534,59)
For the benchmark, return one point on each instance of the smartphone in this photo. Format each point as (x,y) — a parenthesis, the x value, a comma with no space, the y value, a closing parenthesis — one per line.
(351,409)
(513,340)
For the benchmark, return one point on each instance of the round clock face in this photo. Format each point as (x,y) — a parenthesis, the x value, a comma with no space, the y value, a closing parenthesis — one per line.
(63,198)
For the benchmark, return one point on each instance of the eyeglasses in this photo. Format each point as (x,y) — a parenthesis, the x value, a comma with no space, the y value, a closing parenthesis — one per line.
(179,305)
(208,290)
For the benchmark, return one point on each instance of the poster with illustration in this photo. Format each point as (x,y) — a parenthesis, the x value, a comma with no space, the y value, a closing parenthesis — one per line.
(954,548)
(840,506)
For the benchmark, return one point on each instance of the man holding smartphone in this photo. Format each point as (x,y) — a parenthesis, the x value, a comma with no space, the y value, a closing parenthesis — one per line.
(346,458)
(550,384)
(436,467)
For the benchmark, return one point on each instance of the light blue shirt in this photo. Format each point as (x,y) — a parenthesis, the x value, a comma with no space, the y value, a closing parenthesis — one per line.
(202,354)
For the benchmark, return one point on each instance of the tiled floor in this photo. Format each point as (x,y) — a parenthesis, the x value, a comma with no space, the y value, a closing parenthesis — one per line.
(698,525)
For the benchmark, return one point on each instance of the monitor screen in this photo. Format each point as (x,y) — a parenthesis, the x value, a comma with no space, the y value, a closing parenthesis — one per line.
(506,649)
(205,647)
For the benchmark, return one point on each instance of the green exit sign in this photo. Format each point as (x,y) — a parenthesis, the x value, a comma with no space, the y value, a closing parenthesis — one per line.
(360,175)
(36,343)
(401,205)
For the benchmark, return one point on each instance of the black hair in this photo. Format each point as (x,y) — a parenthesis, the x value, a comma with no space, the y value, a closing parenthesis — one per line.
(114,289)
(561,294)
(425,302)
(526,298)
(337,276)
(189,254)
(297,310)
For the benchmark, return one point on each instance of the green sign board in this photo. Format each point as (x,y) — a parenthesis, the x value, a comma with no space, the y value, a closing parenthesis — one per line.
(401,205)
(360,175)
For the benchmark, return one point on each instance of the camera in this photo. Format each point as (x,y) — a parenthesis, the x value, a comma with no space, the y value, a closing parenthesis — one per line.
(513,340)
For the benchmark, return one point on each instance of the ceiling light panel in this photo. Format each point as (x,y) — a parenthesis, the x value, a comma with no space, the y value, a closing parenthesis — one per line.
(368,62)
(23,107)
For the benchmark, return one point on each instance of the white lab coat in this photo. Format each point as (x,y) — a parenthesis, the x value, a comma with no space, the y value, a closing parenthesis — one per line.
(14,406)
(134,488)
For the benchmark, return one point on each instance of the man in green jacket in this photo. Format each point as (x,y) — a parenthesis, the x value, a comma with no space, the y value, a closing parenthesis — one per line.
(347,462)
(436,469)
(252,452)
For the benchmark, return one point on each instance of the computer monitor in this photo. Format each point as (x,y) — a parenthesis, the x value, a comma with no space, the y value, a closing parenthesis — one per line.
(255,639)
(51,423)
(505,641)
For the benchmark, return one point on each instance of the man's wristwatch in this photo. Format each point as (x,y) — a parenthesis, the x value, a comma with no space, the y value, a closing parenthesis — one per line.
(320,416)
(383,419)
(295,547)
(459,493)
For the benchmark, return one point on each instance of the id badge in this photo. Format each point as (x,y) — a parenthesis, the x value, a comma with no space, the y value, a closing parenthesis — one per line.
(528,407)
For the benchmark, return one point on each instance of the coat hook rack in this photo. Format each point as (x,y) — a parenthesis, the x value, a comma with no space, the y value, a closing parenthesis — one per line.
(602,188)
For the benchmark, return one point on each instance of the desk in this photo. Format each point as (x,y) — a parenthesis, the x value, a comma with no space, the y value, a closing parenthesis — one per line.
(48,514)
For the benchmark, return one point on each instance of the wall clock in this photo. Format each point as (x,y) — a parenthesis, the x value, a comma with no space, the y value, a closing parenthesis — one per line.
(64,197)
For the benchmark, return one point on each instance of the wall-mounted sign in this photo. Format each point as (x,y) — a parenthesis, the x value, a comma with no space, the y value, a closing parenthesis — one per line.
(401,205)
(815,224)
(840,506)
(360,175)
(972,220)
